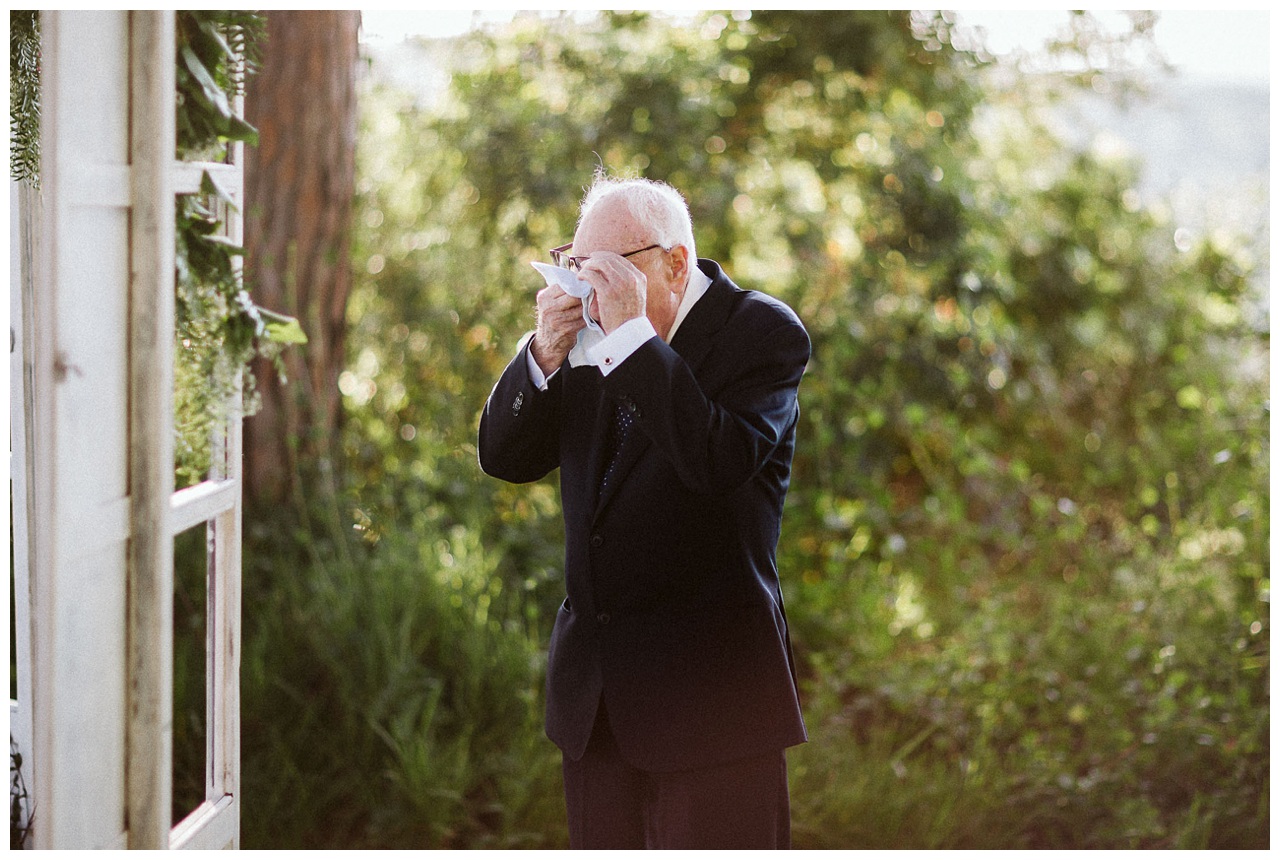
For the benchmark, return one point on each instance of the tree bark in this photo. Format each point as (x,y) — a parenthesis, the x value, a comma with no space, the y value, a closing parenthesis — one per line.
(299,186)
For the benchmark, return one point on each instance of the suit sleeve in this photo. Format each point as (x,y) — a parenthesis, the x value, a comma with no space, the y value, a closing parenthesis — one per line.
(717,445)
(520,426)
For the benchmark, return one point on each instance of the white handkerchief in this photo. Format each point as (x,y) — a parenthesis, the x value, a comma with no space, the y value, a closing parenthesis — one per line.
(579,289)
(565,279)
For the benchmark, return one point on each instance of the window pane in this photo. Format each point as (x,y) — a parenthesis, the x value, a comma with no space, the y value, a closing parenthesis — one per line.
(190,624)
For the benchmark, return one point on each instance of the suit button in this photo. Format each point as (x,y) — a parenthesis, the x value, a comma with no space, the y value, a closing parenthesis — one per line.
(603,618)
(631,405)
(597,541)
(517,403)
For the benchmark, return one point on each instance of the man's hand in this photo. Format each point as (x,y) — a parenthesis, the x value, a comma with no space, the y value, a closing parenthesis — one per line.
(621,289)
(559,321)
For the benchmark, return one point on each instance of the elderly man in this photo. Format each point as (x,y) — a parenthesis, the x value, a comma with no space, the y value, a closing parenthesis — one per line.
(666,396)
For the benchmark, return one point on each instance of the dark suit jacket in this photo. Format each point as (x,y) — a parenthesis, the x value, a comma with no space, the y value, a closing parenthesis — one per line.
(674,612)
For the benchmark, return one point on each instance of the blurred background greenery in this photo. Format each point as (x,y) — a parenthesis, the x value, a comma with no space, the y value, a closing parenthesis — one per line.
(1025,553)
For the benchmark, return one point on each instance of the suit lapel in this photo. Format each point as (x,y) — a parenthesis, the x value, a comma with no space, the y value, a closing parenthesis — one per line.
(693,339)
(692,342)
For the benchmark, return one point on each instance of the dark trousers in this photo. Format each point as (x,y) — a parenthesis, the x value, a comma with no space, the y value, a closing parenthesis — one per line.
(741,804)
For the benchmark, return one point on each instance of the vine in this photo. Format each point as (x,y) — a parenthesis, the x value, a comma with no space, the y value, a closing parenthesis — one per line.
(219,330)
(24,95)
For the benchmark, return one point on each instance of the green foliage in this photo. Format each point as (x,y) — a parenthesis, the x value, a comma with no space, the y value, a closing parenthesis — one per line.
(216,52)
(1025,548)
(219,330)
(391,698)
(24,95)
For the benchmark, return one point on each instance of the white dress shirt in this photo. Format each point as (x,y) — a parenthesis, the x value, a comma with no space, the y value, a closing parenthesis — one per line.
(608,352)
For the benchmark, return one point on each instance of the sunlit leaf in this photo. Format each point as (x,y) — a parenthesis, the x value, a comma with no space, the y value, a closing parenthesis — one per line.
(282,328)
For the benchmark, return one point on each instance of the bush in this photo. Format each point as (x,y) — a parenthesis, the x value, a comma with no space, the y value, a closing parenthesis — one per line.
(1024,552)
(391,699)
(1139,708)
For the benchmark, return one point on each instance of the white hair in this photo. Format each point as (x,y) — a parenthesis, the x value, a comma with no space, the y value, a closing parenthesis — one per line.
(658,208)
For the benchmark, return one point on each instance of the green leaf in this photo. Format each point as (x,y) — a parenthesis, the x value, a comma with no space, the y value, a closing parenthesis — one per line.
(213,38)
(209,184)
(212,92)
(281,328)
(238,129)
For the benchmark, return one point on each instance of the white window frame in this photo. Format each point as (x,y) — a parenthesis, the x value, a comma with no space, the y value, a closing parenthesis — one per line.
(215,504)
(93,557)
(22,212)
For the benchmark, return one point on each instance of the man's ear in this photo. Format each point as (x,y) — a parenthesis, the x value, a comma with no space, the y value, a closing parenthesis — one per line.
(679,263)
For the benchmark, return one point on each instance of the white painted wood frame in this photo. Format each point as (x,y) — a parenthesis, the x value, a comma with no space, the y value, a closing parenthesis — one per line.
(23,203)
(103,511)
(217,504)
(81,457)
(149,723)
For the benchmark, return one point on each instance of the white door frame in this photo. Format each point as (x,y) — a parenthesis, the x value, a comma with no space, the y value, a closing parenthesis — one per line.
(104,513)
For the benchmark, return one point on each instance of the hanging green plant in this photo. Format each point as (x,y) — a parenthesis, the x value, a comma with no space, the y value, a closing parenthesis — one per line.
(24,95)
(216,52)
(219,329)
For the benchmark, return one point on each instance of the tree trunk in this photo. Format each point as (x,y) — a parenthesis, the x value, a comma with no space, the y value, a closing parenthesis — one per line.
(299,185)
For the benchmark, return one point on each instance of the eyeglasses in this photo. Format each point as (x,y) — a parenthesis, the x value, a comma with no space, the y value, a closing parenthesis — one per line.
(564,261)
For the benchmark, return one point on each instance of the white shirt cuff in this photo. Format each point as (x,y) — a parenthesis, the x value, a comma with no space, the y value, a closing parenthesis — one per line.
(619,344)
(536,375)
